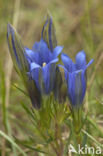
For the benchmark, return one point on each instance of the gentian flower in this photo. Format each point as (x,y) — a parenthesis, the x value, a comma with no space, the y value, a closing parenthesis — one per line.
(36,66)
(21,65)
(49,36)
(42,65)
(75,76)
(42,59)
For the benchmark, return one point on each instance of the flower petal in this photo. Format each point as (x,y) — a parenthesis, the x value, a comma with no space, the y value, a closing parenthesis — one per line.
(79,84)
(35,76)
(84,84)
(71,87)
(76,87)
(57,51)
(36,46)
(49,77)
(42,48)
(90,62)
(80,60)
(34,66)
(48,33)
(53,61)
(68,63)
(46,78)
(33,56)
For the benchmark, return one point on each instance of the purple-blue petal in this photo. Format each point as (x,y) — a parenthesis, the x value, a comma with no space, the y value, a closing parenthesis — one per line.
(46,78)
(36,46)
(34,66)
(76,87)
(57,51)
(71,87)
(69,65)
(35,76)
(80,60)
(42,48)
(48,73)
(84,84)
(90,62)
(33,56)
(53,61)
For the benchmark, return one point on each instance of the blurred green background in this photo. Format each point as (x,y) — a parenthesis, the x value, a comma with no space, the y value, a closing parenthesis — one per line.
(79,25)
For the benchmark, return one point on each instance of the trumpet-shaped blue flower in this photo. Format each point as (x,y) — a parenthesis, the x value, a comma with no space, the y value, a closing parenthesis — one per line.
(37,66)
(75,75)
(42,65)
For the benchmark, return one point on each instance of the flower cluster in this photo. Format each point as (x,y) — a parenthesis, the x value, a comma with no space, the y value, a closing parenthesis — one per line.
(38,66)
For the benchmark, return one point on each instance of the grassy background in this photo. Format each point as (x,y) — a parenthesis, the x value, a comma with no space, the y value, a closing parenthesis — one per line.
(79,25)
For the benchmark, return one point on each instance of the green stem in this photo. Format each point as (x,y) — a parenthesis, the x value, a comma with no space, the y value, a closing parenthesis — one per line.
(77,124)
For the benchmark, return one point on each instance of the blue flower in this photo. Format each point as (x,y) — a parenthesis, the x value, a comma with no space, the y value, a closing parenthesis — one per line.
(49,36)
(42,67)
(21,65)
(48,33)
(75,76)
(37,66)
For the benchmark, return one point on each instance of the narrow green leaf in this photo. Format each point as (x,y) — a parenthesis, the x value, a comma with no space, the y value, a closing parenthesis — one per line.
(35,149)
(95,125)
(20,90)
(27,110)
(92,138)
(13,143)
